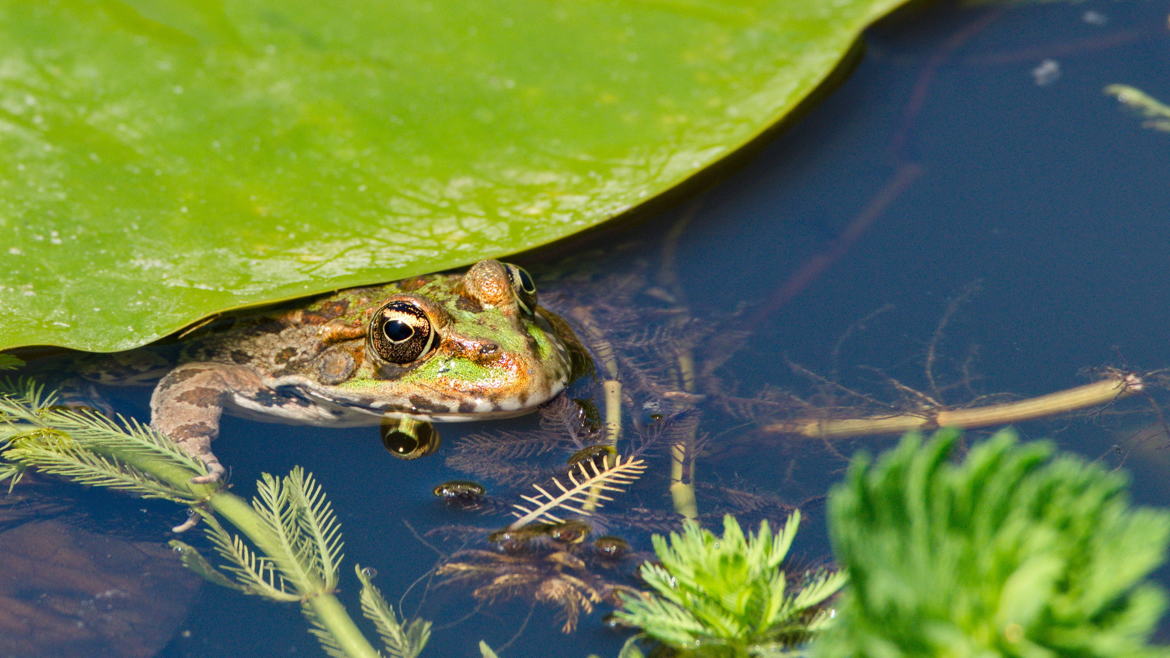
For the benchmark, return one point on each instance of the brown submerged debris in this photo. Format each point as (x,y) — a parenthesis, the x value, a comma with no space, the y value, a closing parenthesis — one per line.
(68,591)
(611,547)
(461,494)
(555,577)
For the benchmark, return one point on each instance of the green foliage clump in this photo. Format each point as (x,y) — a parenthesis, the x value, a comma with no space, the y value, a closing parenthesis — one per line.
(1012,552)
(727,596)
(288,545)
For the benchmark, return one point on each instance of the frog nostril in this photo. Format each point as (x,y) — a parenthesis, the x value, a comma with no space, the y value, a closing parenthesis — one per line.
(489,348)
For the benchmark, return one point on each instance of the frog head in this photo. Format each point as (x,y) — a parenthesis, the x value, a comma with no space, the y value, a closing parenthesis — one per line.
(447,347)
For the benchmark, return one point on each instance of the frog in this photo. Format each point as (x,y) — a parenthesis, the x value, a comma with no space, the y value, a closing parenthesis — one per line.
(435,348)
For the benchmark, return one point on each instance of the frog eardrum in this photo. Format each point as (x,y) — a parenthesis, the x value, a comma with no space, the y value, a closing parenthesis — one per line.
(401,333)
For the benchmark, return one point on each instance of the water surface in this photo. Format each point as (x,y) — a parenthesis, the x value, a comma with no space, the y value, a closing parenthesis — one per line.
(970,161)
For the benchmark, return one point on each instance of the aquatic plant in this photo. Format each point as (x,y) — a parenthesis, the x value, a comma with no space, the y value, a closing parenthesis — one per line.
(1012,552)
(1112,386)
(540,556)
(513,457)
(716,596)
(589,488)
(288,546)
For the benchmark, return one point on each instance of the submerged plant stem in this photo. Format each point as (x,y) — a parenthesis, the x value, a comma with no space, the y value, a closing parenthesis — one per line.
(611,386)
(239,513)
(682,458)
(604,356)
(613,411)
(682,489)
(1095,394)
(333,616)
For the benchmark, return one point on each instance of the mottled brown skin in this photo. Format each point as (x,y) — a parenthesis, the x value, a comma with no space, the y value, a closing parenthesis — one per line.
(489,352)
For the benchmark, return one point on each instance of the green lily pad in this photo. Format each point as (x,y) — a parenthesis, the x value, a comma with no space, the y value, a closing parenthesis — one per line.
(168,159)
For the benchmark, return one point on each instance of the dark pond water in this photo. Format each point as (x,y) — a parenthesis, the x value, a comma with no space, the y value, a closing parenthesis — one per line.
(971,161)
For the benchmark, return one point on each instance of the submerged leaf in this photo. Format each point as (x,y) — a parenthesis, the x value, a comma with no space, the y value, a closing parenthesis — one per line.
(291,522)
(198,564)
(257,575)
(1156,112)
(401,640)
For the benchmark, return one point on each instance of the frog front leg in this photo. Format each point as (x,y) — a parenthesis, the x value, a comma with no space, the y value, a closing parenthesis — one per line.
(188,402)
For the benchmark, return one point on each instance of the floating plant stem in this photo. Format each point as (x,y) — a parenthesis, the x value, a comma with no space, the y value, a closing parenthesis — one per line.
(1141,102)
(1095,394)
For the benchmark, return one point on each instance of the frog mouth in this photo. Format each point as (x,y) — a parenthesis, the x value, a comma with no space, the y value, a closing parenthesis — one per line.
(345,408)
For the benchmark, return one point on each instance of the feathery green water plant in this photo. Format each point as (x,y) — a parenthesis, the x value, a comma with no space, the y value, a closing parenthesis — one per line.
(589,488)
(401,638)
(288,546)
(89,448)
(1014,551)
(728,596)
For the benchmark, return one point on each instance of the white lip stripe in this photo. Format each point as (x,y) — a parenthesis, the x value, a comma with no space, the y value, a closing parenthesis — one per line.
(334,408)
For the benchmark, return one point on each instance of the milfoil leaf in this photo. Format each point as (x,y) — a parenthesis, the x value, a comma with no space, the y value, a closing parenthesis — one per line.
(585,487)
(400,637)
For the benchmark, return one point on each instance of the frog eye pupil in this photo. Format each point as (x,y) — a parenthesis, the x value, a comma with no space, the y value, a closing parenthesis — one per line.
(401,333)
(524,286)
(401,443)
(526,280)
(397,331)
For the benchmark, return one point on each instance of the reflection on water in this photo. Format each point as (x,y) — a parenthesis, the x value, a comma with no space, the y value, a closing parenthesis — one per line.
(968,215)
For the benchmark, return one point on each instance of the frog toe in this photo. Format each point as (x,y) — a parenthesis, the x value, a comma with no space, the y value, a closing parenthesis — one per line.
(215,471)
(191,522)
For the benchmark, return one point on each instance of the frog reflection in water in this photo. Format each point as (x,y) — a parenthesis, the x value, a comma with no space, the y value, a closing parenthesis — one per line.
(443,347)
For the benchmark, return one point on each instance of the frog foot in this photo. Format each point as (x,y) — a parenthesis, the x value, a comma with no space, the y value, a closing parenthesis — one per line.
(187,404)
(215,471)
(191,522)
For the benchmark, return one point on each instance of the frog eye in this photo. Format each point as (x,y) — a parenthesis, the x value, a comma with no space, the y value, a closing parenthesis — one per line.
(401,333)
(524,286)
(406,438)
